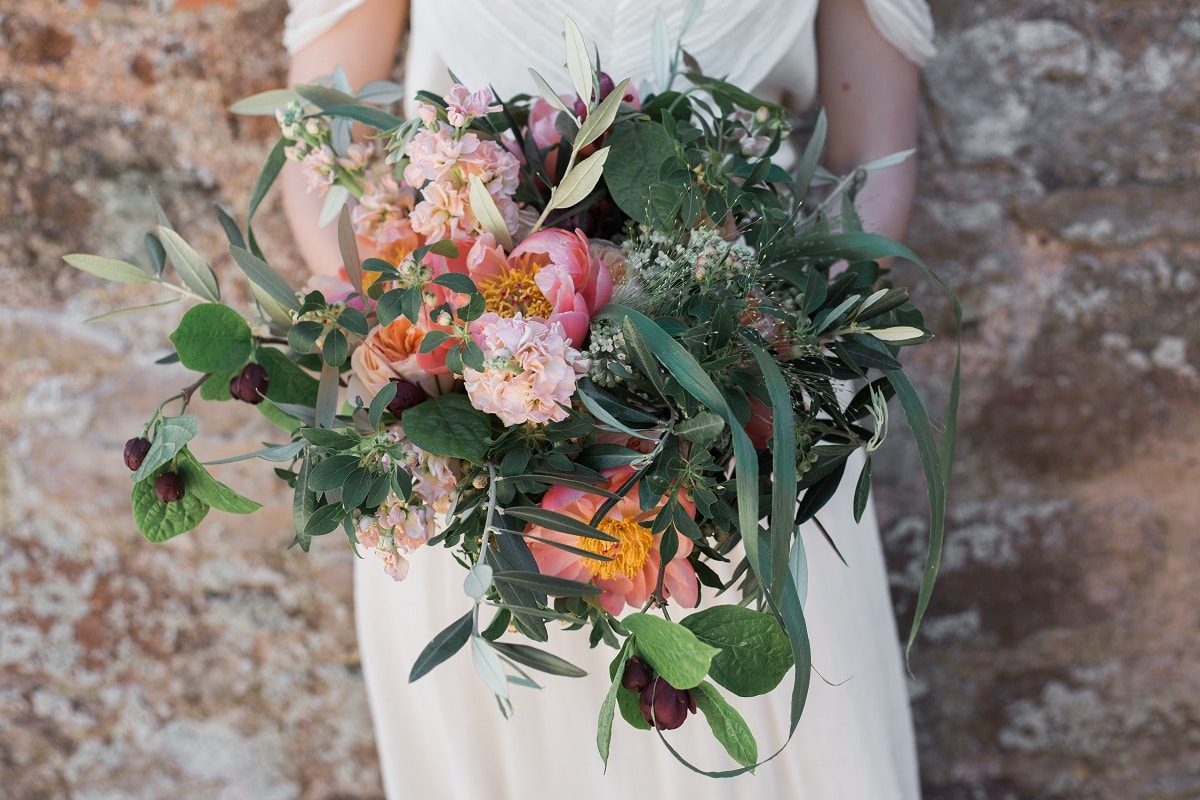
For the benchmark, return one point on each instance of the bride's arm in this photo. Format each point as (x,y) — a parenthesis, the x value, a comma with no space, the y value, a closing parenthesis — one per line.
(870,93)
(364,44)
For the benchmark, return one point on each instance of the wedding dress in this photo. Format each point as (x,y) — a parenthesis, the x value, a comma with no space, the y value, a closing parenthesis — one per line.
(442,737)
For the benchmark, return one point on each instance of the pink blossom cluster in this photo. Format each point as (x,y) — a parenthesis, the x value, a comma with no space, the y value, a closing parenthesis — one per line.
(442,160)
(401,526)
(529,370)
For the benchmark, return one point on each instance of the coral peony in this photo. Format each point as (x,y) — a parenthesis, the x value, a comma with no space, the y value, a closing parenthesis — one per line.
(632,574)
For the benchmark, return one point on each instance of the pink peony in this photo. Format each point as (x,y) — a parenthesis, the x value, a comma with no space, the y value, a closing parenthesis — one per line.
(632,574)
(529,370)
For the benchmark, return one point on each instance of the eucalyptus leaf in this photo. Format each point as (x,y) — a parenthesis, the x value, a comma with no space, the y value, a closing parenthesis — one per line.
(580,181)
(191,266)
(487,212)
(478,581)
(110,269)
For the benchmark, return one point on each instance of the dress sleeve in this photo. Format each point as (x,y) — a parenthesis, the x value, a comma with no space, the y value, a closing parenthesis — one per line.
(907,26)
(308,19)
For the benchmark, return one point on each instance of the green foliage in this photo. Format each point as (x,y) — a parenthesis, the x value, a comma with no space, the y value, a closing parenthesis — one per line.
(449,426)
(674,651)
(754,652)
(213,338)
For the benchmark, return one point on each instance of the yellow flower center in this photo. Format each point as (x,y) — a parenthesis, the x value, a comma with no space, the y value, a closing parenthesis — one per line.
(514,291)
(628,553)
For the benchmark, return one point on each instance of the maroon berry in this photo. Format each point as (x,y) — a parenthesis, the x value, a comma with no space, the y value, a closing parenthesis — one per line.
(407,396)
(637,675)
(250,384)
(135,452)
(670,705)
(169,487)
(606,85)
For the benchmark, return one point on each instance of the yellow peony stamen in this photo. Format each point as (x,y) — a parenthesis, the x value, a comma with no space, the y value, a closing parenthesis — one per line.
(514,291)
(628,554)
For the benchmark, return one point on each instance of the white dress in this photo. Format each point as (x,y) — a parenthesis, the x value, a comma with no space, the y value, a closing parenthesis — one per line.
(443,736)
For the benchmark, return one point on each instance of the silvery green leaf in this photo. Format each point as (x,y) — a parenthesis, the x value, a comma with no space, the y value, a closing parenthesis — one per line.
(660,56)
(601,119)
(264,277)
(549,94)
(191,266)
(827,318)
(121,312)
(327,396)
(579,65)
(335,198)
(489,666)
(266,103)
(478,581)
(901,334)
(169,439)
(277,453)
(110,269)
(690,15)
(340,81)
(348,248)
(488,213)
(381,92)
(888,161)
(580,181)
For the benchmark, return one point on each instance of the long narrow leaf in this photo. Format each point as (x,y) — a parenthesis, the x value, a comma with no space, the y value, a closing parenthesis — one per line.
(190,265)
(547,584)
(538,659)
(262,275)
(558,522)
(445,644)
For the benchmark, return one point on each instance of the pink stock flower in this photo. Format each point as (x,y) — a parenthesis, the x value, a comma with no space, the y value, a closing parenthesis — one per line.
(381,221)
(529,370)
(632,574)
(463,106)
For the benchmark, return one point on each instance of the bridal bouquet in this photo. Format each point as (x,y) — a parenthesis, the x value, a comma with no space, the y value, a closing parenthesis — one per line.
(592,346)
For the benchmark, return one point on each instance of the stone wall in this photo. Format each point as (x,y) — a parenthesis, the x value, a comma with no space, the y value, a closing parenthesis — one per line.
(1058,198)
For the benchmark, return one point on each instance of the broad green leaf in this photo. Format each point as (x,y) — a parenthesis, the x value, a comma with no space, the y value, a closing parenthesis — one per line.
(287,382)
(487,212)
(335,349)
(727,725)
(539,659)
(754,651)
(263,276)
(330,473)
(190,265)
(169,438)
(198,481)
(628,703)
(638,150)
(324,519)
(379,403)
(109,268)
(159,521)
(213,338)
(445,644)
(672,650)
(580,181)
(449,426)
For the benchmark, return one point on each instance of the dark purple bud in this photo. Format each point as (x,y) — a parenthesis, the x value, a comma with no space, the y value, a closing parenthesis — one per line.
(407,396)
(606,85)
(169,487)
(250,385)
(135,451)
(637,675)
(670,705)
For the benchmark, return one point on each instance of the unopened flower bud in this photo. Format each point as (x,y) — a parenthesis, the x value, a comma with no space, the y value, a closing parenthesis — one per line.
(169,487)
(670,705)
(480,482)
(407,396)
(250,384)
(637,675)
(135,451)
